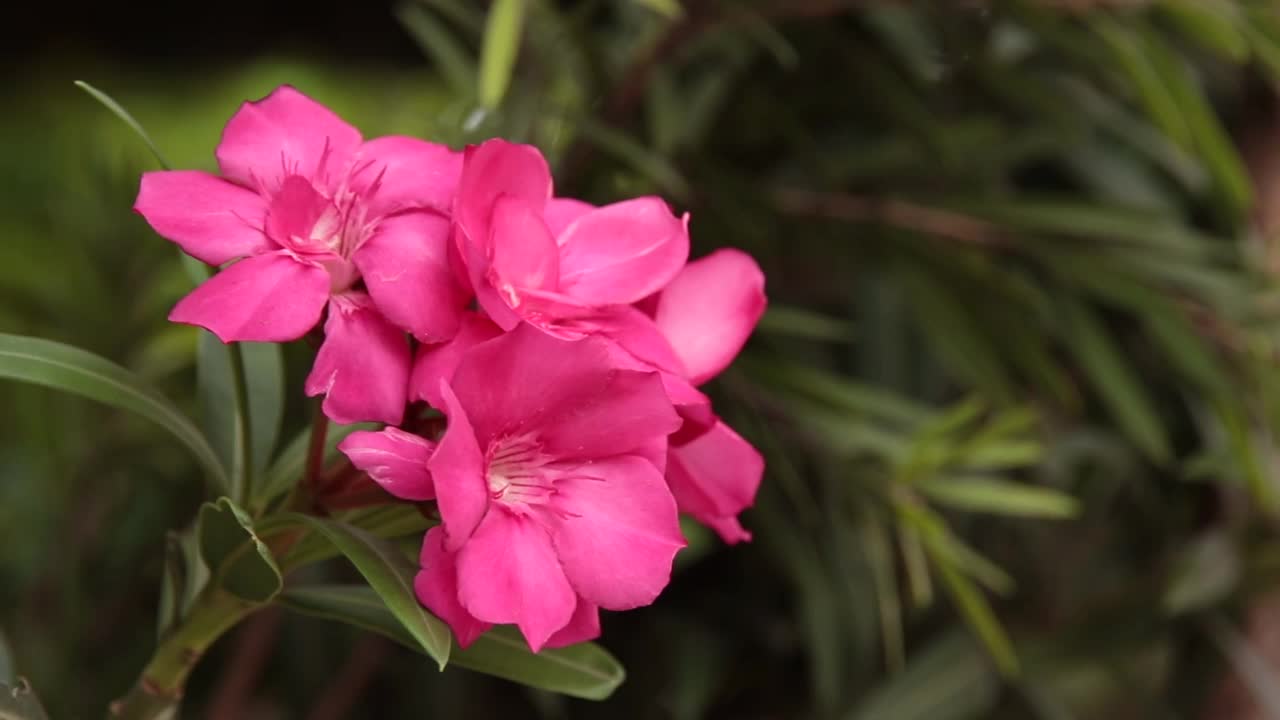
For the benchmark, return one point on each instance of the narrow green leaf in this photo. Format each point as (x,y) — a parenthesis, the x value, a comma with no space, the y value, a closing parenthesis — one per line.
(978,613)
(264,377)
(503,30)
(67,368)
(240,562)
(391,575)
(1206,571)
(1128,50)
(437,42)
(8,669)
(585,670)
(669,8)
(879,553)
(124,115)
(946,680)
(1215,24)
(644,160)
(289,465)
(803,323)
(1000,497)
(1116,383)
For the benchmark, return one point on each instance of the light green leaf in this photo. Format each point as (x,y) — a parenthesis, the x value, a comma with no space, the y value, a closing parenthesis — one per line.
(239,560)
(503,30)
(124,115)
(391,575)
(1001,497)
(263,368)
(67,368)
(585,670)
(977,612)
(1215,24)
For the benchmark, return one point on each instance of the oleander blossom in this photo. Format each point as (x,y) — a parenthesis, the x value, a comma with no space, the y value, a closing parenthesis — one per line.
(549,481)
(309,216)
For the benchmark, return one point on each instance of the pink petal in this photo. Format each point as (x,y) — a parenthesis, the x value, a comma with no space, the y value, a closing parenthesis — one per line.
(395,173)
(715,477)
(569,392)
(265,298)
(434,363)
(362,368)
(394,459)
(458,470)
(211,219)
(405,265)
(640,336)
(295,208)
(561,212)
(492,169)
(623,252)
(710,309)
(619,533)
(437,588)
(583,626)
(508,573)
(524,253)
(286,133)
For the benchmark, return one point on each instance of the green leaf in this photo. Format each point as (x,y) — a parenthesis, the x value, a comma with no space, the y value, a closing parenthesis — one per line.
(584,671)
(1215,24)
(947,680)
(1205,572)
(289,465)
(391,575)
(8,670)
(124,115)
(501,45)
(263,368)
(1117,386)
(67,368)
(435,40)
(977,612)
(1128,50)
(1000,497)
(240,562)
(18,702)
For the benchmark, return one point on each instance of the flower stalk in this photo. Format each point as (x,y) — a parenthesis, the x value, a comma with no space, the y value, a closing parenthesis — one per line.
(159,689)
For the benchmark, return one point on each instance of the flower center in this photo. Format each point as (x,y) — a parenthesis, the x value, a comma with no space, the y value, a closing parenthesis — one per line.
(516,472)
(331,228)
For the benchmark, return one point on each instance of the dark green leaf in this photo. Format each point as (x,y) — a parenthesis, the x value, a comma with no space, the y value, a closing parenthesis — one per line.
(391,575)
(263,369)
(289,465)
(239,560)
(584,670)
(63,367)
(947,680)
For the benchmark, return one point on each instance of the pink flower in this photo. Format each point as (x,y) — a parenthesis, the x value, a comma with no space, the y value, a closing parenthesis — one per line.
(309,212)
(549,483)
(700,322)
(552,262)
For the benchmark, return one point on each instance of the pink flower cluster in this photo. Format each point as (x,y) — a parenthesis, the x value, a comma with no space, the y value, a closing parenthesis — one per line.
(563,342)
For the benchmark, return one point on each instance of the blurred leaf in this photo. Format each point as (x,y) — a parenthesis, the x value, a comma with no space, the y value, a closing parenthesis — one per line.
(1118,388)
(435,40)
(390,575)
(8,670)
(977,612)
(240,562)
(63,367)
(1205,572)
(669,8)
(263,368)
(502,34)
(642,159)
(583,670)
(1000,497)
(1131,55)
(1255,671)
(802,323)
(124,115)
(1215,24)
(879,550)
(946,680)
(18,702)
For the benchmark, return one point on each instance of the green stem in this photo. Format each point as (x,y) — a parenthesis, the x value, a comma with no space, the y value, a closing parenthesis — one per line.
(242,473)
(159,689)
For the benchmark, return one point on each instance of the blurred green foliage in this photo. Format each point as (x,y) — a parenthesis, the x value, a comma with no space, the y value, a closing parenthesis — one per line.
(1016,386)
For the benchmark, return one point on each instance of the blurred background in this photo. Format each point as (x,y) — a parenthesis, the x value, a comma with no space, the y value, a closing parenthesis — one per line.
(1017,386)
